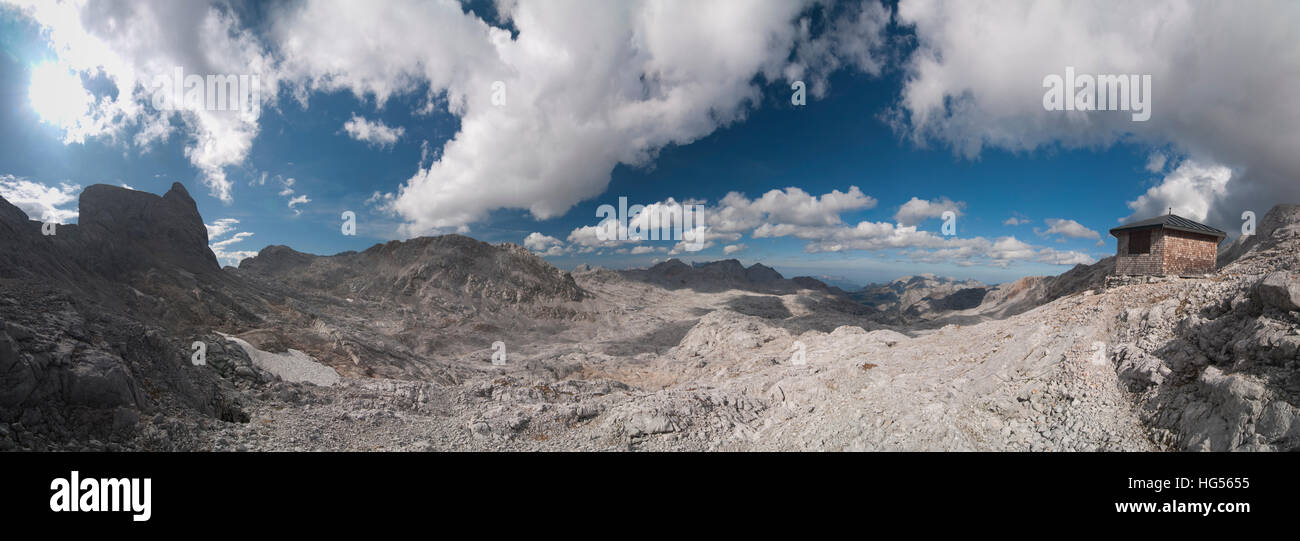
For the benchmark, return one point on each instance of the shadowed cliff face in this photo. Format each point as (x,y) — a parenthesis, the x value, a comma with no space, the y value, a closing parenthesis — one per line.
(120,234)
(93,319)
(123,231)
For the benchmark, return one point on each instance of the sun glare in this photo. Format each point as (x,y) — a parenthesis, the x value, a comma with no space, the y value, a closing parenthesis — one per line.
(57,95)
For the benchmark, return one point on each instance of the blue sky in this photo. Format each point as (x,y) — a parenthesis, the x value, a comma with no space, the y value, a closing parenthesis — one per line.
(896,108)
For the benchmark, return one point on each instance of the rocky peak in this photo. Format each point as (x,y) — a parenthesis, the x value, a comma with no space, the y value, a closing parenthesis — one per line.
(123,230)
(759,272)
(724,266)
(668,268)
(1279,217)
(732,269)
(276,258)
(722,275)
(119,233)
(426,267)
(1275,233)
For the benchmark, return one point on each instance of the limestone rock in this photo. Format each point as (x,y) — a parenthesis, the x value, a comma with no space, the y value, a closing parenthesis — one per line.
(1280,290)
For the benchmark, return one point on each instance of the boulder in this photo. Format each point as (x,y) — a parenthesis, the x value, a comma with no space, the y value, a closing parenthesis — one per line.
(1280,290)
(100,379)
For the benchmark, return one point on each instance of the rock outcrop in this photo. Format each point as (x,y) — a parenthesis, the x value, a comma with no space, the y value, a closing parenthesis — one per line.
(1280,290)
(120,231)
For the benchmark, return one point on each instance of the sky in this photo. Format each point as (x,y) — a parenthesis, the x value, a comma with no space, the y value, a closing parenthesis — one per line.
(516,120)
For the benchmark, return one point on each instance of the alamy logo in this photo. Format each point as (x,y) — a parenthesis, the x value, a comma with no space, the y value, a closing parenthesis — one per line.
(213,92)
(1100,93)
(949,223)
(93,495)
(661,221)
(48,225)
(800,356)
(200,356)
(498,353)
(800,96)
(349,227)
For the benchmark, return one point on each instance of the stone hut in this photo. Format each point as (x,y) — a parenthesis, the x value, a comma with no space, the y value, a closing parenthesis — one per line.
(1166,245)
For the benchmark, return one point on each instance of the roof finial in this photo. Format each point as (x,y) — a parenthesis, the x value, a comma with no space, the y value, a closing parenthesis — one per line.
(1171,211)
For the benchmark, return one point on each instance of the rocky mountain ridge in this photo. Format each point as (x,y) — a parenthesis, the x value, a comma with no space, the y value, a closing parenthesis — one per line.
(97,320)
(721,275)
(929,301)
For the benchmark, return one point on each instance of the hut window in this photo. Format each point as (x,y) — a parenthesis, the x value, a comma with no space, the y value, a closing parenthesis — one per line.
(1139,242)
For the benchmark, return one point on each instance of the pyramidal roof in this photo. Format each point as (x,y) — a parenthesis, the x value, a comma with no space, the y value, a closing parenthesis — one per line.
(1171,221)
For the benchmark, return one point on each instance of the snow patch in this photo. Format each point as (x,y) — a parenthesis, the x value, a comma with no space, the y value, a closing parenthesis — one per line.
(292,365)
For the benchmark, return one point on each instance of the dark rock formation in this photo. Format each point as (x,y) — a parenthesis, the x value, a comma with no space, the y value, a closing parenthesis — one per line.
(123,231)
(722,275)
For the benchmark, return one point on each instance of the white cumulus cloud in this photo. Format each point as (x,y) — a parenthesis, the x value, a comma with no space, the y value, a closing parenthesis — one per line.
(1069,228)
(1190,190)
(547,113)
(1224,97)
(791,206)
(40,202)
(221,227)
(544,244)
(222,248)
(374,132)
(917,210)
